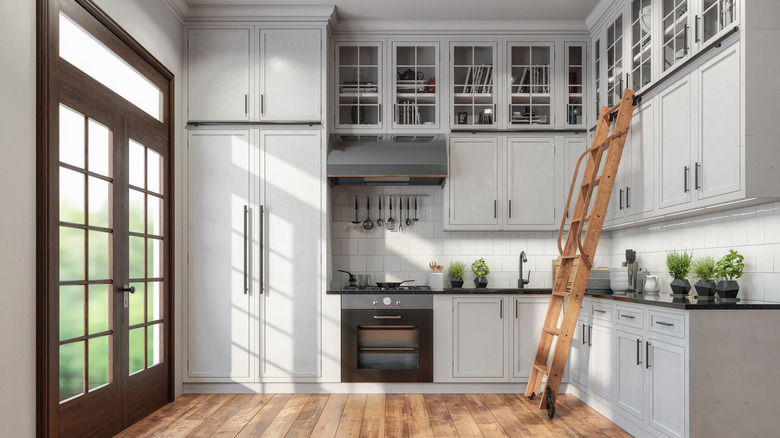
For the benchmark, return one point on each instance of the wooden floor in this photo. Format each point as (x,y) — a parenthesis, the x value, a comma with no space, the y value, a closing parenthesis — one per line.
(371,415)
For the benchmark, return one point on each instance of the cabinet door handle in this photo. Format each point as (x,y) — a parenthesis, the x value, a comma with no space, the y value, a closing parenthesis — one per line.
(685,179)
(516,304)
(620,195)
(246,247)
(696,184)
(501,309)
(686,37)
(583,334)
(495,209)
(647,355)
(379,113)
(638,347)
(510,209)
(628,203)
(590,335)
(262,104)
(262,250)
(667,324)
(696,29)
(628,78)
(246,104)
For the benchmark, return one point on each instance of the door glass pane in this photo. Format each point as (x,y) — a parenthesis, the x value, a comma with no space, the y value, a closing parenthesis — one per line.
(154,301)
(136,211)
(99,202)
(71,196)
(86,53)
(136,260)
(98,360)
(98,147)
(154,345)
(136,305)
(71,254)
(153,215)
(154,258)
(154,171)
(71,137)
(71,311)
(71,370)
(98,255)
(137,164)
(136,350)
(99,310)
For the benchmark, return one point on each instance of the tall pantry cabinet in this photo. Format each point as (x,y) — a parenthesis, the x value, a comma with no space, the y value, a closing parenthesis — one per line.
(255,203)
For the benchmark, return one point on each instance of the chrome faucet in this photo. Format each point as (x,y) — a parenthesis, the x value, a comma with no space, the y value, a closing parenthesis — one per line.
(521,282)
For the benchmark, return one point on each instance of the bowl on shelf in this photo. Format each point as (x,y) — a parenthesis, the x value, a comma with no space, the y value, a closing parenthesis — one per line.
(618,280)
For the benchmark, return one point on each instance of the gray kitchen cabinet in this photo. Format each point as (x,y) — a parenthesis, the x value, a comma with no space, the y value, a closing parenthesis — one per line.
(529,315)
(630,377)
(579,355)
(473,186)
(479,338)
(224,63)
(219,74)
(359,85)
(666,365)
(531,182)
(591,349)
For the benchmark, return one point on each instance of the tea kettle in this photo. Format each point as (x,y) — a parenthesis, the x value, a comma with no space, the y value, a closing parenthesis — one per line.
(651,284)
(410,75)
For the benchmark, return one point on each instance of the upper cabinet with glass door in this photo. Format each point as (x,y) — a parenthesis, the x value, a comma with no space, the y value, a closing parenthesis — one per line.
(472,85)
(717,16)
(640,72)
(415,94)
(575,84)
(614,64)
(530,84)
(359,85)
(675,27)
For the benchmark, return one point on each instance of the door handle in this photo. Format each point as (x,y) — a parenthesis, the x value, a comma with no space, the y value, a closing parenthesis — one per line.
(127,290)
(501,309)
(638,347)
(696,184)
(262,249)
(590,335)
(620,196)
(246,104)
(387,316)
(628,203)
(583,334)
(696,29)
(246,247)
(685,179)
(510,209)
(495,209)
(647,355)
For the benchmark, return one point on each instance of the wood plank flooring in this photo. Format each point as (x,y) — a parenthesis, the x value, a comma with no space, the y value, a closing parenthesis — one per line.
(371,415)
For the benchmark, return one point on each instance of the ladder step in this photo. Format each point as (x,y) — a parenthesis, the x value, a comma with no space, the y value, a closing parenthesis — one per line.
(552,331)
(595,182)
(561,294)
(579,219)
(544,369)
(570,257)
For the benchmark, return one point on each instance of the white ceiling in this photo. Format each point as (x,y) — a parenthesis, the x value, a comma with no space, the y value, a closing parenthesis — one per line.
(436,9)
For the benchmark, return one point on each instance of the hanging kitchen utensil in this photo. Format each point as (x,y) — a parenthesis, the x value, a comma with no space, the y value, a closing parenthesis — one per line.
(408,220)
(356,221)
(390,220)
(368,223)
(400,214)
(415,218)
(380,221)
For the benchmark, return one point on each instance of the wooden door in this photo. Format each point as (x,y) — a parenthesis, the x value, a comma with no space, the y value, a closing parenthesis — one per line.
(291,75)
(220,296)
(473,184)
(214,91)
(676,138)
(105,217)
(630,394)
(290,263)
(478,339)
(531,179)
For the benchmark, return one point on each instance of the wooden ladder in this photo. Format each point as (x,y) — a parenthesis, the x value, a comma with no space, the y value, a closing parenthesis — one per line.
(589,223)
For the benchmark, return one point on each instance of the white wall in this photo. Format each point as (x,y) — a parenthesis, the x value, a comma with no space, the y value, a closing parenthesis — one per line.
(405,255)
(151,23)
(17,221)
(753,231)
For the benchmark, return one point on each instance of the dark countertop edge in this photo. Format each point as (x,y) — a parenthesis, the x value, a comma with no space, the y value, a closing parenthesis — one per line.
(458,291)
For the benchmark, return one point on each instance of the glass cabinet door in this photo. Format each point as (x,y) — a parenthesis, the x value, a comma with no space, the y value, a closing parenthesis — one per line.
(359,87)
(641,44)
(615,61)
(530,82)
(415,95)
(717,15)
(473,92)
(597,83)
(675,22)
(575,80)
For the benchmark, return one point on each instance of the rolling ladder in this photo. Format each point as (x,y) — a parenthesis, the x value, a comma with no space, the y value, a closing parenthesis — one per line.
(589,223)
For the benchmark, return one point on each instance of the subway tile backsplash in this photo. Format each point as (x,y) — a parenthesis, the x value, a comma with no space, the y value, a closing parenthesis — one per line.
(404,255)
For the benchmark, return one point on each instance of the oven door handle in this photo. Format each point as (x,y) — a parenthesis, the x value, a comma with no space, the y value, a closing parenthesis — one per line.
(387,316)
(387,349)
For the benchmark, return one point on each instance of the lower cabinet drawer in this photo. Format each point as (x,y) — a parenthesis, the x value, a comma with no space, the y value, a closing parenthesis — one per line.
(630,317)
(667,323)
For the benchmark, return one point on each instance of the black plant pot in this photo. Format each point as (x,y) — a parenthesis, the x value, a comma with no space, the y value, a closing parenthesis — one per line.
(727,289)
(480,282)
(705,289)
(457,283)
(680,287)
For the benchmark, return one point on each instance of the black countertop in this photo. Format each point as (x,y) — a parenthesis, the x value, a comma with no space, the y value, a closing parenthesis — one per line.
(660,300)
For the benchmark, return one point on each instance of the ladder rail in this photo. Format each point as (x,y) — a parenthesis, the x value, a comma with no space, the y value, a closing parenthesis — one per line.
(561,337)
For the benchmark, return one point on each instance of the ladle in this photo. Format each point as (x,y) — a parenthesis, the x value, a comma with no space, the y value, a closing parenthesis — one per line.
(368,223)
(380,221)
(408,220)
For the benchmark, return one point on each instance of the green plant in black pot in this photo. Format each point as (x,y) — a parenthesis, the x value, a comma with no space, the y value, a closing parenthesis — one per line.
(679,264)
(480,269)
(456,271)
(729,268)
(703,268)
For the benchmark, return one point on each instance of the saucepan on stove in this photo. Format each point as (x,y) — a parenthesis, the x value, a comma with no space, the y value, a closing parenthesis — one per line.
(391,284)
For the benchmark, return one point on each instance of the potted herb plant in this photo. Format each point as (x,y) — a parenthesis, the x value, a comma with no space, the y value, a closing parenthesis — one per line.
(480,269)
(679,264)
(456,271)
(703,268)
(729,268)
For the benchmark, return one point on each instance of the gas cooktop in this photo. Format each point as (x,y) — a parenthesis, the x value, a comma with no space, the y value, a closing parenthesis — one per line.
(397,288)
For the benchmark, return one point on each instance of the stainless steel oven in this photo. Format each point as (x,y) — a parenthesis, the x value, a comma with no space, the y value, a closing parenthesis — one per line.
(387,338)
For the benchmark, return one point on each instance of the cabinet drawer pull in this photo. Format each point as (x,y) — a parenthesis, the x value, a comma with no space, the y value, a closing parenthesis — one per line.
(667,324)
(599,311)
(628,316)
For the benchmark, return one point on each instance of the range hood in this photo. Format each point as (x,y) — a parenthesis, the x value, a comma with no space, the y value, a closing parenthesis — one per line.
(387,159)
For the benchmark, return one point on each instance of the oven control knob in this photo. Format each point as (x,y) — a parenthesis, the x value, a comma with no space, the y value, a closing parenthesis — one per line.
(375,303)
(398,303)
(386,301)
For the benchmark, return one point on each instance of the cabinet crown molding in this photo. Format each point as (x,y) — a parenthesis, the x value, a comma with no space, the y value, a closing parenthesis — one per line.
(461,27)
(243,13)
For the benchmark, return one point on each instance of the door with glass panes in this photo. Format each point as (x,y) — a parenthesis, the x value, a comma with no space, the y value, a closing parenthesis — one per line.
(107,230)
